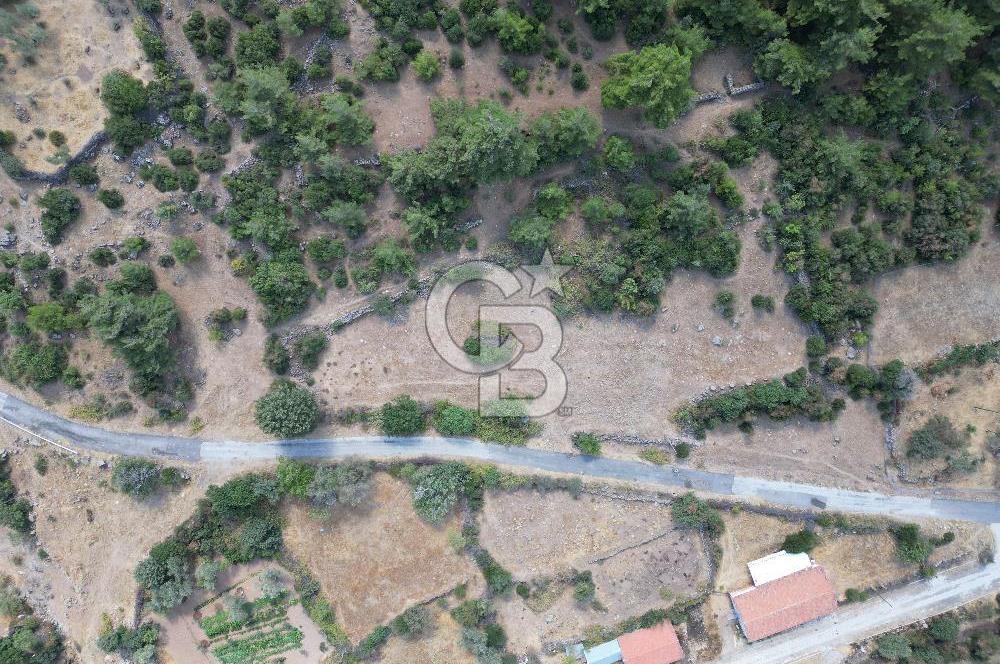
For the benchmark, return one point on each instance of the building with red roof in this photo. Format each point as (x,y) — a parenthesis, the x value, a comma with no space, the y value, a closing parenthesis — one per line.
(783,603)
(653,645)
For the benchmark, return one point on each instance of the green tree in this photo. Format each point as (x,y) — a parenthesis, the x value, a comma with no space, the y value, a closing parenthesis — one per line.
(60,208)
(402,417)
(655,79)
(286,410)
(122,94)
(894,647)
(284,287)
(426,66)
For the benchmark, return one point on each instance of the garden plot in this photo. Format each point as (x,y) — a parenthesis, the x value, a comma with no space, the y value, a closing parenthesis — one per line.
(374,563)
(637,560)
(256,618)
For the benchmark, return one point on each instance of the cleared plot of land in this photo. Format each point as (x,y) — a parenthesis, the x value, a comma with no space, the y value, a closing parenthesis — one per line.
(442,646)
(94,538)
(638,560)
(924,308)
(60,90)
(957,397)
(376,562)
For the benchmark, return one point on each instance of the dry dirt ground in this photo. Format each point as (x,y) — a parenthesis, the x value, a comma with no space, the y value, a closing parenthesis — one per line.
(94,537)
(924,309)
(851,560)
(957,397)
(638,559)
(375,562)
(442,646)
(60,90)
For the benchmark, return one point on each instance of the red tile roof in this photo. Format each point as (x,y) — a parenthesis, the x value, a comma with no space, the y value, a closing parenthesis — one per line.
(653,645)
(784,603)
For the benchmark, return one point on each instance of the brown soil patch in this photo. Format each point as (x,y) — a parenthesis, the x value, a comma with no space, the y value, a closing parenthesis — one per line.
(60,91)
(638,560)
(442,646)
(927,307)
(94,538)
(374,563)
(957,397)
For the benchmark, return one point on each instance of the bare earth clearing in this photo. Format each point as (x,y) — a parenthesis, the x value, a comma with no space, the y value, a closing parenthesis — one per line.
(375,562)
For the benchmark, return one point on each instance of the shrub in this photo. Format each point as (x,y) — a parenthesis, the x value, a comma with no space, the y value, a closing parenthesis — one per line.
(801,542)
(413,622)
(286,410)
(456,60)
(60,208)
(436,489)
(724,304)
(35,364)
(618,153)
(209,161)
(690,512)
(283,286)
(136,477)
(402,417)
(815,346)
(426,66)
(276,357)
(451,420)
(937,437)
(111,198)
(587,443)
(762,303)
(122,94)
(84,174)
(855,595)
(894,647)
(309,347)
(184,250)
(911,546)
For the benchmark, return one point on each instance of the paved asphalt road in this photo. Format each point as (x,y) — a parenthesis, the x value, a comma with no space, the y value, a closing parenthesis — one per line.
(849,624)
(59,431)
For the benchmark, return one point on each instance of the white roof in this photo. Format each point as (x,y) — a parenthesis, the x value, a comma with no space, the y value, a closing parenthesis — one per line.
(777,565)
(606,653)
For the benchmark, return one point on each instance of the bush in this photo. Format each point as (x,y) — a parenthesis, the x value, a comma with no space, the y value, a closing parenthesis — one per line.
(894,647)
(801,542)
(911,546)
(209,161)
(762,303)
(184,250)
(426,66)
(815,346)
(122,94)
(309,347)
(276,357)
(402,417)
(436,489)
(456,60)
(136,477)
(451,420)
(286,410)
(283,286)
(60,208)
(690,512)
(84,174)
(936,438)
(618,153)
(587,443)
